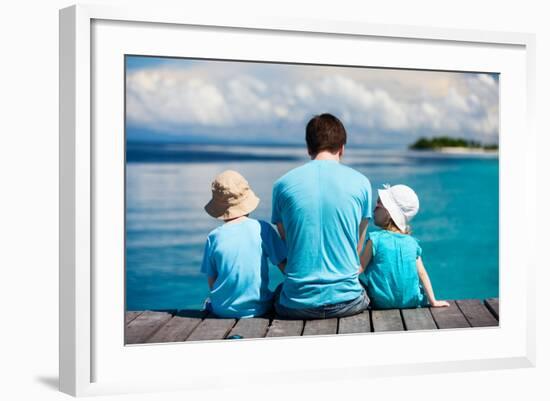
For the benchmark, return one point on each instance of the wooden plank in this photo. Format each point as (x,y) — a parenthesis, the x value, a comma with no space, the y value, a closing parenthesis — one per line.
(131,315)
(212,329)
(418,319)
(144,326)
(321,326)
(450,317)
(284,328)
(359,323)
(493,305)
(387,320)
(170,311)
(179,328)
(250,328)
(477,313)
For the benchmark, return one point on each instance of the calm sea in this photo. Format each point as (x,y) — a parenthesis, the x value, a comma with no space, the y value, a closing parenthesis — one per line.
(166,226)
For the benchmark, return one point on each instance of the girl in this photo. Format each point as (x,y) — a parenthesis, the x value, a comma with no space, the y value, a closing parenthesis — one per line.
(392,257)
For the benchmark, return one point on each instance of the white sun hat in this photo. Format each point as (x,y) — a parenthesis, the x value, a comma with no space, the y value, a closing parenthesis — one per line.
(401,203)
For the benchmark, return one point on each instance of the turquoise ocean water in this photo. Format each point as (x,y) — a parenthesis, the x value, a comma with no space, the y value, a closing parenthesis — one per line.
(167,186)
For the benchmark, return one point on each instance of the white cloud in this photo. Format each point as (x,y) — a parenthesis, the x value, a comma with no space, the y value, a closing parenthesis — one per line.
(157,98)
(486,79)
(280,99)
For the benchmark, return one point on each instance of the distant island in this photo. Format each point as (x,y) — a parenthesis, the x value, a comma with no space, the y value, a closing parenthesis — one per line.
(447,144)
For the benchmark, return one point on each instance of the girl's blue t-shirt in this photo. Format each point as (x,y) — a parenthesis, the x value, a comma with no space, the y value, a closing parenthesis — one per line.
(391,276)
(237,255)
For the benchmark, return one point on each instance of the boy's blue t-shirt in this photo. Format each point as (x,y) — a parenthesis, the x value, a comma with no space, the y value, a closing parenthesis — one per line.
(320,205)
(237,254)
(391,276)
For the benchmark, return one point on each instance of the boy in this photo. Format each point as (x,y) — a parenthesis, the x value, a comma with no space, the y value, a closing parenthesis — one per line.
(236,253)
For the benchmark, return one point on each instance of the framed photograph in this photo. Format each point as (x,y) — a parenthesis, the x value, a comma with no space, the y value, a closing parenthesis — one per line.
(185,141)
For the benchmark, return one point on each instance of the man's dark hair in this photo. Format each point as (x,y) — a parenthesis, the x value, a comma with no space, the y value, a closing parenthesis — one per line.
(325,132)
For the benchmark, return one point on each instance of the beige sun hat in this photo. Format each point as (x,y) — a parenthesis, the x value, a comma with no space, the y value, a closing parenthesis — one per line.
(401,202)
(231,196)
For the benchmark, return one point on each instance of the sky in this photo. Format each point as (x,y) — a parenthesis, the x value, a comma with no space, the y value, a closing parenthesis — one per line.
(191,100)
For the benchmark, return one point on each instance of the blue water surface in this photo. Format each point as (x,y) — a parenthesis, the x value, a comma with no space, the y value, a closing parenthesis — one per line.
(167,186)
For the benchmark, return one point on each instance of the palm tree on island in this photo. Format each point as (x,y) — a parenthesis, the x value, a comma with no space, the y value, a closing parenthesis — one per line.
(452,145)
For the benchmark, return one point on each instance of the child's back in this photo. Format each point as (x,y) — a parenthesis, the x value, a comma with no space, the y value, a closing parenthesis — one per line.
(392,276)
(391,260)
(236,255)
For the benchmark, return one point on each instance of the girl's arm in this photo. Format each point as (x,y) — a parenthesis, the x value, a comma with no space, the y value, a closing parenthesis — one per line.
(426,283)
(211,281)
(366,256)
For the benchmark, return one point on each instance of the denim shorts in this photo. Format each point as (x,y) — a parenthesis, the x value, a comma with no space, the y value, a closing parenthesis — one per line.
(341,309)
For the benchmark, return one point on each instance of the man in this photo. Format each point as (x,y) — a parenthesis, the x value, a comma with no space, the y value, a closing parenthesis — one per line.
(321,210)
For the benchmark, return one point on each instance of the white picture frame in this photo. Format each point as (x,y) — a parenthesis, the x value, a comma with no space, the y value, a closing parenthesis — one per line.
(93,358)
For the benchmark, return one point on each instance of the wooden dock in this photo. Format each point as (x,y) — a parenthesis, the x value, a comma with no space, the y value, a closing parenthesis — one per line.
(147,327)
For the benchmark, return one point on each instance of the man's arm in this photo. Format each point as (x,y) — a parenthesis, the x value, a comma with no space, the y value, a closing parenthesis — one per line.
(366,257)
(281,230)
(362,235)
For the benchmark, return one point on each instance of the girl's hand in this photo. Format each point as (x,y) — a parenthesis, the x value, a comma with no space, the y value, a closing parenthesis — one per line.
(439,304)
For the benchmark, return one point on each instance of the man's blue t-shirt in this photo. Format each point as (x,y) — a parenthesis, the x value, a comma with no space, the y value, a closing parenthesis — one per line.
(237,254)
(320,205)
(391,276)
